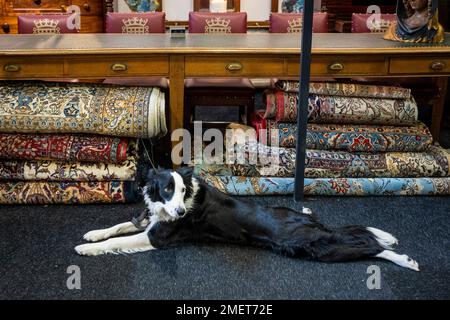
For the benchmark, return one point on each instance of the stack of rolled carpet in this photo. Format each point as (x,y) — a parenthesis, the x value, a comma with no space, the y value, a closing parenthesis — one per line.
(361,140)
(73,143)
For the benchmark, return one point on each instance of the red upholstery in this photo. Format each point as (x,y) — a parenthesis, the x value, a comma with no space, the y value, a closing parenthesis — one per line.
(44,24)
(291,22)
(359,23)
(136,23)
(206,22)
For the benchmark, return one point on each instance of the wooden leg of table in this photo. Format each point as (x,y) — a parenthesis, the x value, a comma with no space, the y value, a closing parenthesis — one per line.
(176,93)
(438,107)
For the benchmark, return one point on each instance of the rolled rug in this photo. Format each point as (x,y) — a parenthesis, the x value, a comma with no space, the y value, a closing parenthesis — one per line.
(45,107)
(340,109)
(64,147)
(68,192)
(347,89)
(252,186)
(352,138)
(67,171)
(256,160)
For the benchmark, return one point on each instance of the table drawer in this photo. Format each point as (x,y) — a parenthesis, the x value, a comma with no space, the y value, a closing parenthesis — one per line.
(118,67)
(420,65)
(233,66)
(31,68)
(342,66)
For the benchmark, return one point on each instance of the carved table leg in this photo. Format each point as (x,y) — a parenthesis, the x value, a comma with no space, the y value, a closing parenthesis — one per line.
(176,93)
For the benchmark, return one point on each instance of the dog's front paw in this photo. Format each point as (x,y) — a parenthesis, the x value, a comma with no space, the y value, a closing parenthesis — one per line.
(96,235)
(89,250)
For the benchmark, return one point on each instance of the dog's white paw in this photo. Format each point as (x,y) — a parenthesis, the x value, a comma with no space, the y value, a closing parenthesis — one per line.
(89,249)
(96,235)
(307,211)
(409,263)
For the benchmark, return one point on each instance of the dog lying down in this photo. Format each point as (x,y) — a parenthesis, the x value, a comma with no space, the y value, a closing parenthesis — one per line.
(184,209)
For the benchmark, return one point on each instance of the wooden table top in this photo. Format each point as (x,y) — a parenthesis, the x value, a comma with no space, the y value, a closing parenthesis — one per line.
(251,43)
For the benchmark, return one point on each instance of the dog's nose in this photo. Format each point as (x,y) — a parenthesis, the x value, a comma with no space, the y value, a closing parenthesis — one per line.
(180,211)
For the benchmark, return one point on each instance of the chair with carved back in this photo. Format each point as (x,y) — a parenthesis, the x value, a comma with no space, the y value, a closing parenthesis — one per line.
(217,92)
(292,22)
(371,23)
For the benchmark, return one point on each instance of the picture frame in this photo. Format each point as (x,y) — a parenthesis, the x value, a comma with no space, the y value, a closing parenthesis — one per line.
(138,5)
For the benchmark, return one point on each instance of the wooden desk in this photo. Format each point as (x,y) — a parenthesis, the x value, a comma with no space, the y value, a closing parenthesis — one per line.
(96,56)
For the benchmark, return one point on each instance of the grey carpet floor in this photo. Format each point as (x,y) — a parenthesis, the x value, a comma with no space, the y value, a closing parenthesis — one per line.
(36,248)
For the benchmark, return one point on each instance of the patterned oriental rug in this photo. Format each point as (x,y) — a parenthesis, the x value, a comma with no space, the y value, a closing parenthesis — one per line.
(68,192)
(352,138)
(250,186)
(64,171)
(280,162)
(64,147)
(340,109)
(44,107)
(347,89)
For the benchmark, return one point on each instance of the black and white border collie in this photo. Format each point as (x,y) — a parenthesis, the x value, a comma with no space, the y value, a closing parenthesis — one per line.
(184,209)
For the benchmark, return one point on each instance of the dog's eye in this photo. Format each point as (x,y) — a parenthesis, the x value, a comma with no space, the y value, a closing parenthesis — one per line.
(183,190)
(169,188)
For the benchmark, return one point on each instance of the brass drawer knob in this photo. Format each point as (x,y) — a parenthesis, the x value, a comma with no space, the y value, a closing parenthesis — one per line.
(37,2)
(6,28)
(11,68)
(336,66)
(119,67)
(437,66)
(86,6)
(234,66)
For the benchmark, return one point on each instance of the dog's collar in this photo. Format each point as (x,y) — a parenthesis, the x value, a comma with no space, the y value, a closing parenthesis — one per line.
(137,221)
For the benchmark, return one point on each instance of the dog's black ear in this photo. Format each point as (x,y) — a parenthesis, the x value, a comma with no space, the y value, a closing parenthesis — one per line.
(151,173)
(152,189)
(185,172)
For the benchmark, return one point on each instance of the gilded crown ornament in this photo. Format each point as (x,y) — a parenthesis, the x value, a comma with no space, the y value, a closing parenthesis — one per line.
(46,26)
(379,26)
(218,25)
(135,25)
(295,25)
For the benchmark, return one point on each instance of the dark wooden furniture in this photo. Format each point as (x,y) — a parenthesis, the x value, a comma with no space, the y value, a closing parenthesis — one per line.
(341,11)
(91,12)
(95,56)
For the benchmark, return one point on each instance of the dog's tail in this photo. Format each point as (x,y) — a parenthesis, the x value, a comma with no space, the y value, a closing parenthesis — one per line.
(357,242)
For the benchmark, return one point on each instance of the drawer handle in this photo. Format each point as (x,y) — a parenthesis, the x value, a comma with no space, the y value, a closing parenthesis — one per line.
(6,28)
(234,66)
(437,66)
(119,67)
(86,6)
(336,66)
(37,2)
(12,68)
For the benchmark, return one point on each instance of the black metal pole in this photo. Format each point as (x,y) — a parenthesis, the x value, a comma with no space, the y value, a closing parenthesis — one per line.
(302,107)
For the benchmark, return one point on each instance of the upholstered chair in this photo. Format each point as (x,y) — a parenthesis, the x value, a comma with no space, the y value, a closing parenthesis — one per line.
(366,22)
(217,92)
(45,24)
(206,22)
(292,22)
(135,23)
